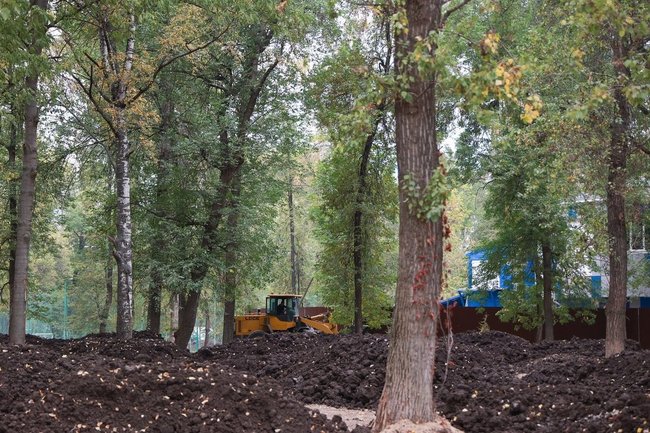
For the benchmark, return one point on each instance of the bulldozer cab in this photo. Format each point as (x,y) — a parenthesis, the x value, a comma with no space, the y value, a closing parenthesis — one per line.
(284,307)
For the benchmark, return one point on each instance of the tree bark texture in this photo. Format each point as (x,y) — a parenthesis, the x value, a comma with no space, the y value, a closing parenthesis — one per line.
(232,273)
(108,266)
(408,389)
(154,299)
(108,297)
(228,321)
(188,304)
(123,244)
(26,198)
(616,224)
(173,319)
(12,201)
(206,340)
(547,270)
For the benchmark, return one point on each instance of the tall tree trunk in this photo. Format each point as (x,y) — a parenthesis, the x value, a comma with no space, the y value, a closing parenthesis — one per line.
(188,304)
(232,274)
(249,89)
(158,242)
(357,232)
(206,340)
(410,365)
(295,287)
(547,270)
(123,248)
(123,244)
(13,198)
(154,299)
(617,233)
(18,292)
(173,320)
(108,266)
(616,224)
(228,321)
(108,297)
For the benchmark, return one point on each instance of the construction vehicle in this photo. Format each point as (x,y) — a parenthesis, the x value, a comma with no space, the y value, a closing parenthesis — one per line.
(282,314)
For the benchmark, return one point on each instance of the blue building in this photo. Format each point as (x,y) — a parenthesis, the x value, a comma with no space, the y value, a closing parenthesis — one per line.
(489,296)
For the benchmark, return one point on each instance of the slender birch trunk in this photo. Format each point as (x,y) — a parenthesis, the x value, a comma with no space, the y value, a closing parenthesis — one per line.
(119,74)
(123,244)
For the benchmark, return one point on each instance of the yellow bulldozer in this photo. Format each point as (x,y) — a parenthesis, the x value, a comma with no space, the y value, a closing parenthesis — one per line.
(282,315)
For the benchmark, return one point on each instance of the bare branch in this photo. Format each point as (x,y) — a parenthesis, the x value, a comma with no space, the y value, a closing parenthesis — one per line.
(93,61)
(454,9)
(171,60)
(88,92)
(247,113)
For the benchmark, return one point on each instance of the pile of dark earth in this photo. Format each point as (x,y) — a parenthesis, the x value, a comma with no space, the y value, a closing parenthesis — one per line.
(101,384)
(487,382)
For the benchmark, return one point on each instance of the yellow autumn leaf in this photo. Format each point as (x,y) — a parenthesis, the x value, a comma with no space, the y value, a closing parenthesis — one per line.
(280,7)
(600,93)
(532,109)
(507,87)
(578,54)
(490,42)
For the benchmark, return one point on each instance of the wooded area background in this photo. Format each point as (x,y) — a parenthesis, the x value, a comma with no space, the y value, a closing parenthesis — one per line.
(168,163)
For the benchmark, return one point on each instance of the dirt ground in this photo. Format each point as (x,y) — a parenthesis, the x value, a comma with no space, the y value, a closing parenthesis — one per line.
(492,382)
(100,384)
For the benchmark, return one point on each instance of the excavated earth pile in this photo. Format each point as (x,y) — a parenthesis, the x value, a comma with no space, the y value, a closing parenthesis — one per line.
(490,382)
(101,384)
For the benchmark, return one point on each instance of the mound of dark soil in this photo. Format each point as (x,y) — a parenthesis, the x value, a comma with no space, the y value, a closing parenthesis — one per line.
(341,371)
(101,384)
(491,382)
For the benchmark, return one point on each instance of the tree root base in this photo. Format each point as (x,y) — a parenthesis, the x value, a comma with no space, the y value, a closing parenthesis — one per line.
(440,425)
